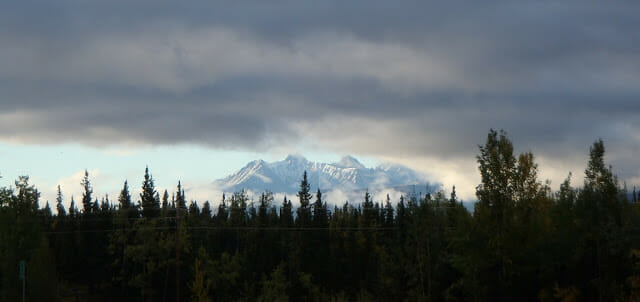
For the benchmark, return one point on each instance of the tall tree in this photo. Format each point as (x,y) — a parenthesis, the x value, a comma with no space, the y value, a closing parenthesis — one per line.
(453,199)
(124,199)
(304,196)
(497,167)
(165,204)
(388,213)
(320,214)
(601,211)
(59,206)
(122,238)
(180,201)
(87,191)
(150,205)
(73,210)
(286,213)
(494,214)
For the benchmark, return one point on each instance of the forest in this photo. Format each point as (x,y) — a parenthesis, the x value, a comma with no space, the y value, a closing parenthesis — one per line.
(521,242)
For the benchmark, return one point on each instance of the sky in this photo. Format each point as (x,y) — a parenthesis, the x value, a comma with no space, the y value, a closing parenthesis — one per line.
(197,90)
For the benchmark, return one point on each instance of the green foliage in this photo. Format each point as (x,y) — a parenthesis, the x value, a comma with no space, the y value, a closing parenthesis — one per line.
(41,273)
(304,196)
(148,197)
(521,243)
(276,286)
(87,191)
(201,285)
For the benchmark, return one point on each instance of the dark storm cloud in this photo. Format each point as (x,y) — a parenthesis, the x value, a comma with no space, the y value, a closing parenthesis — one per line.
(254,74)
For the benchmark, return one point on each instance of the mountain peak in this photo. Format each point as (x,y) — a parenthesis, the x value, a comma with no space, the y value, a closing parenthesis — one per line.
(295,158)
(350,162)
(347,175)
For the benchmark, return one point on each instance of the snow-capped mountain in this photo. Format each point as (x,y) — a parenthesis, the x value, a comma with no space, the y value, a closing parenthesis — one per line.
(348,175)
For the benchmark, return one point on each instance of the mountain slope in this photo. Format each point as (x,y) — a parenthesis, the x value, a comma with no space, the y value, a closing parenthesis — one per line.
(348,175)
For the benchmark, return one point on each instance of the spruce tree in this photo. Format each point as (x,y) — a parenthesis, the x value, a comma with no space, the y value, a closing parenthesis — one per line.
(180,201)
(320,215)
(47,210)
(304,196)
(87,190)
(73,211)
(150,205)
(105,205)
(453,200)
(368,211)
(286,213)
(124,199)
(165,204)
(59,205)
(95,206)
(222,215)
(206,211)
(388,212)
(266,198)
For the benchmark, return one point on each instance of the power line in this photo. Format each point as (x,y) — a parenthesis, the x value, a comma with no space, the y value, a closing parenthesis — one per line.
(246,228)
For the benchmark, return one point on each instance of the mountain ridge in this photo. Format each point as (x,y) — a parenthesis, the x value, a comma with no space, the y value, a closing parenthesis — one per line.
(348,174)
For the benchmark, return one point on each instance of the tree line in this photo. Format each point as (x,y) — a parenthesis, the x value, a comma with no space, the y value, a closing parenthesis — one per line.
(521,242)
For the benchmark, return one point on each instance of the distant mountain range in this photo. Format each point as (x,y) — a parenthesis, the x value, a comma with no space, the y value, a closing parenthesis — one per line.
(347,175)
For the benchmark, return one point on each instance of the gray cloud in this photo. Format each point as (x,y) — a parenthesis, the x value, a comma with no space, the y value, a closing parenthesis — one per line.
(419,79)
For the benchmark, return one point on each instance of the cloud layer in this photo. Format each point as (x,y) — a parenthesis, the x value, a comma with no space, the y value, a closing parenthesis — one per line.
(411,82)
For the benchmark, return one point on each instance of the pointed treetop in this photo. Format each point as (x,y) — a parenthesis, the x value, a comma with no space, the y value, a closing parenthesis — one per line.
(454,196)
(86,193)
(304,195)
(150,205)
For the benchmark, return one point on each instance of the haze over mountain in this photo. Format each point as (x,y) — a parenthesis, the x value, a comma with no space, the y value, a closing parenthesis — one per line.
(348,174)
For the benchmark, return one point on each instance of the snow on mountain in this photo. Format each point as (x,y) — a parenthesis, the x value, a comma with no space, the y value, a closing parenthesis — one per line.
(349,162)
(348,174)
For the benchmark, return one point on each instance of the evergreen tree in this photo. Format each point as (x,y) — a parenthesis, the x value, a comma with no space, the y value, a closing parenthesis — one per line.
(59,206)
(276,287)
(453,200)
(286,213)
(522,243)
(150,204)
(180,201)
(368,211)
(95,206)
(320,239)
(266,198)
(320,215)
(304,196)
(165,204)
(388,213)
(47,210)
(124,199)
(206,211)
(41,274)
(72,208)
(87,190)
(222,215)
(122,238)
